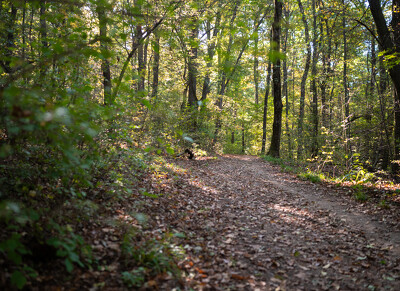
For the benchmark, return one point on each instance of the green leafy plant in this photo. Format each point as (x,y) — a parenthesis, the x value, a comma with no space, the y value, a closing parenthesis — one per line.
(361,196)
(273,160)
(135,277)
(150,257)
(313,177)
(15,216)
(71,247)
(383,204)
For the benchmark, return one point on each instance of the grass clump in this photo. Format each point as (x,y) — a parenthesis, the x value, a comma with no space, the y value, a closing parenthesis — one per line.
(313,177)
(360,194)
(286,166)
(273,160)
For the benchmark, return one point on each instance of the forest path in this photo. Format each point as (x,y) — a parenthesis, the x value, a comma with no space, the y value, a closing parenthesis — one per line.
(250,227)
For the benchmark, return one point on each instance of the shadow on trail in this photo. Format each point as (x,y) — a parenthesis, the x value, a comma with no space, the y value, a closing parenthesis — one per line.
(244,225)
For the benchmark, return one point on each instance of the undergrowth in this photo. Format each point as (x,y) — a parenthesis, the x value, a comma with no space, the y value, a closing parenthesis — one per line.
(357,178)
(43,226)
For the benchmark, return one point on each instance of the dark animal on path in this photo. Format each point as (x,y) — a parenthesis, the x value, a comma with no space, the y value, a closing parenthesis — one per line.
(187,153)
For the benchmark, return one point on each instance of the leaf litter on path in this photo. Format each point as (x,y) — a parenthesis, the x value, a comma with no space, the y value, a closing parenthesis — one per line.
(253,228)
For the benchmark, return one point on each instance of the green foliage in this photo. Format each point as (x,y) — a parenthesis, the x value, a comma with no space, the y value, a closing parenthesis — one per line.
(135,277)
(361,196)
(313,177)
(285,165)
(70,246)
(359,193)
(15,217)
(383,204)
(149,257)
(274,160)
(60,145)
(358,173)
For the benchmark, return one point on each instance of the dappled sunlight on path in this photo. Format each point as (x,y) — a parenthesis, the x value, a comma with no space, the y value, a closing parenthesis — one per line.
(251,227)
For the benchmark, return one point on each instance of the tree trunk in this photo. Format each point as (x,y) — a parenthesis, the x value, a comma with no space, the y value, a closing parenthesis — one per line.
(326,55)
(274,149)
(243,138)
(390,46)
(303,84)
(43,38)
(211,52)
(140,57)
(314,105)
(105,63)
(192,66)
(23,31)
(223,81)
(156,65)
(255,65)
(285,83)
(265,113)
(346,128)
(10,40)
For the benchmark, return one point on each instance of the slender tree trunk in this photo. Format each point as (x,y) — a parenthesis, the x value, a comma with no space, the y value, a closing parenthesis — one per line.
(185,90)
(192,66)
(326,55)
(140,58)
(369,95)
(30,31)
(5,64)
(43,37)
(223,81)
(243,138)
(274,149)
(285,83)
(347,134)
(211,52)
(23,31)
(156,65)
(314,105)
(255,65)
(105,63)
(265,113)
(43,24)
(300,123)
(10,40)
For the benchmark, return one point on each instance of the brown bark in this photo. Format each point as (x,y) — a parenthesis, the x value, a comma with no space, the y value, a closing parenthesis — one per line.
(326,68)
(274,149)
(43,37)
(140,56)
(255,64)
(156,65)
(210,52)
(314,105)
(346,128)
(105,63)
(10,41)
(390,47)
(300,122)
(285,90)
(265,113)
(192,66)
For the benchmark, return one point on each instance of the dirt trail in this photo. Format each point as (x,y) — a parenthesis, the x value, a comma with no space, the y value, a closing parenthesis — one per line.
(250,227)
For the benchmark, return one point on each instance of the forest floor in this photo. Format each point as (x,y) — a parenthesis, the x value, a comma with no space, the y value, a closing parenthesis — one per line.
(242,224)
(253,227)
